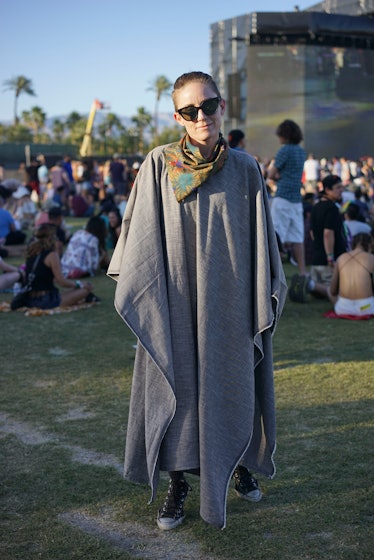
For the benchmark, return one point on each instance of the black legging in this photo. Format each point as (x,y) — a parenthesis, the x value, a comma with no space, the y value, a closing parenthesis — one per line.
(176,476)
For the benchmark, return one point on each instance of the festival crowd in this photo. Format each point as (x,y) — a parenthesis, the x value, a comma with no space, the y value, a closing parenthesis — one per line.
(99,192)
(317,214)
(33,221)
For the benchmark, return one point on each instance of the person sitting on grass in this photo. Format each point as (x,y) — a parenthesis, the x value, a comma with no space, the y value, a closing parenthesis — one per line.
(47,271)
(329,242)
(351,288)
(86,251)
(11,275)
(9,233)
(114,227)
(352,222)
(56,219)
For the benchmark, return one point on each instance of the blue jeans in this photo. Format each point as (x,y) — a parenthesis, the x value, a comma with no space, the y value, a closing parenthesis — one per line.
(46,301)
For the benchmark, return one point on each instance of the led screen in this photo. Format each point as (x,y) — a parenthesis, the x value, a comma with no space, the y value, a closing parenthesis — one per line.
(328,91)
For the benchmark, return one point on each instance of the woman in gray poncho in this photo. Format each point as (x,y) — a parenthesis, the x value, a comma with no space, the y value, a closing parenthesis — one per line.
(201,285)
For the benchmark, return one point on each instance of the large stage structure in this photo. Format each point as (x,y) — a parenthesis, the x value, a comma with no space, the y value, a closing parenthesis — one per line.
(347,7)
(316,68)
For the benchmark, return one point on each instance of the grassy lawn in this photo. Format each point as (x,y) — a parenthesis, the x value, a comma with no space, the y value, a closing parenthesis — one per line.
(65,382)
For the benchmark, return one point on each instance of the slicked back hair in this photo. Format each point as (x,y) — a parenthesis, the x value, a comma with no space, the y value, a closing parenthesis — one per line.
(188,77)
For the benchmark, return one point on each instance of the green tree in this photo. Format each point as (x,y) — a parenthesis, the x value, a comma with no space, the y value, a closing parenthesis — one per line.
(169,134)
(109,131)
(76,125)
(72,119)
(35,120)
(127,142)
(58,131)
(19,84)
(19,133)
(3,133)
(113,124)
(77,132)
(161,87)
(142,120)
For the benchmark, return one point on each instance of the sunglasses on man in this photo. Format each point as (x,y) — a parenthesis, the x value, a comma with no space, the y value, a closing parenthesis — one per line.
(208,107)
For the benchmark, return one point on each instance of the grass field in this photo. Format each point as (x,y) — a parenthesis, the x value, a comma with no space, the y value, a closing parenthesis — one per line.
(65,382)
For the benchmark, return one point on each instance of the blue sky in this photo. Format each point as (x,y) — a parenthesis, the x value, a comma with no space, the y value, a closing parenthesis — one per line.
(75,51)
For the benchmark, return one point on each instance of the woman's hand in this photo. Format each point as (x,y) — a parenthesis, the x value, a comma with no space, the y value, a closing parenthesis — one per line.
(85,285)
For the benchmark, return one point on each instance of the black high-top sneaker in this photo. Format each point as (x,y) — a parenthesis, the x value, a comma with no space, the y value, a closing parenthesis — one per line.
(246,486)
(171,514)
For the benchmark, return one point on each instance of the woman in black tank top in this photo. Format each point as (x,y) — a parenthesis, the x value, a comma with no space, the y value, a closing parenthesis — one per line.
(43,263)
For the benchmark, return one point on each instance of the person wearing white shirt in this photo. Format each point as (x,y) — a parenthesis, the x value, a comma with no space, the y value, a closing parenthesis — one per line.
(311,173)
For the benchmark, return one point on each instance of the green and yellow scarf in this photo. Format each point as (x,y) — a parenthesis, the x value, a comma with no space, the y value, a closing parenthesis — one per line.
(187,168)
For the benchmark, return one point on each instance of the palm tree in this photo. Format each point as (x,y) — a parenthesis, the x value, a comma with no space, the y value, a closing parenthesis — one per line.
(76,125)
(109,132)
(34,119)
(19,133)
(112,122)
(168,134)
(58,130)
(19,84)
(141,121)
(161,86)
(3,132)
(72,119)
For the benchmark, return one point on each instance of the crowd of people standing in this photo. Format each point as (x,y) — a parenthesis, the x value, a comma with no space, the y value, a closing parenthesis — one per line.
(297,184)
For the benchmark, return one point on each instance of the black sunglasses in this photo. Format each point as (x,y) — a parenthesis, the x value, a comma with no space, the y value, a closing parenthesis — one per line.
(208,107)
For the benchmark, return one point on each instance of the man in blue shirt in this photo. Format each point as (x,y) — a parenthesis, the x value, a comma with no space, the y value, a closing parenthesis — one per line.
(9,235)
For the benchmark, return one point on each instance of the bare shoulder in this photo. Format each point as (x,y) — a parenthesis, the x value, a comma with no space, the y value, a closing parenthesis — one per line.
(344,257)
(370,258)
(366,259)
(52,257)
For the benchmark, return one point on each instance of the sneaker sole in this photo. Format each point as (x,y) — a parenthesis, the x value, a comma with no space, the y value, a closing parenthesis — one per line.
(167,523)
(254,496)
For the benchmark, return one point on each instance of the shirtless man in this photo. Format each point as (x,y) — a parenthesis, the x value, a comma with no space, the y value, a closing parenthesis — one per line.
(351,288)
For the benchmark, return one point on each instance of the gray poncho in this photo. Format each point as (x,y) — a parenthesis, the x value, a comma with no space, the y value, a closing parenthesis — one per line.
(201,285)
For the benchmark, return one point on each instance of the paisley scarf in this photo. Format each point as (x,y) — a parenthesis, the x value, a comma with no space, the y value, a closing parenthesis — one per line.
(188,169)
